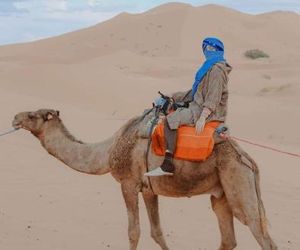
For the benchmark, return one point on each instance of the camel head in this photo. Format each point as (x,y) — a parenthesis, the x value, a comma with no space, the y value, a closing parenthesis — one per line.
(35,122)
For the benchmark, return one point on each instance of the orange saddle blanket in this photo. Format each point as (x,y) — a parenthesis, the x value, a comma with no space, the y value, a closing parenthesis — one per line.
(190,146)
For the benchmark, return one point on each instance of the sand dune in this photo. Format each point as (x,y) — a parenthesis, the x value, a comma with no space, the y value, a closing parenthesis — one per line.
(100,76)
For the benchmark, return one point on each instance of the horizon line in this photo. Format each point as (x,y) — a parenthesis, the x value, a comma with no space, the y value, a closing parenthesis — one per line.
(148,10)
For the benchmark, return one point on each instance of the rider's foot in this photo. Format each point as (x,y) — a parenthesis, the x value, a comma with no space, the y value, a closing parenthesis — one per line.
(166,168)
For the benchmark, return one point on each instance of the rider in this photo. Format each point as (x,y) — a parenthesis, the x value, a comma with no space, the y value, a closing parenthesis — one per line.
(207,101)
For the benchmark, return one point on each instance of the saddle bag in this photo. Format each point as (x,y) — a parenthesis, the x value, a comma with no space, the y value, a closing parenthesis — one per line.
(190,146)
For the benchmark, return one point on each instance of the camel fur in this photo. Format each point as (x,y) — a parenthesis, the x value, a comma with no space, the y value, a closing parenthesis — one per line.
(229,175)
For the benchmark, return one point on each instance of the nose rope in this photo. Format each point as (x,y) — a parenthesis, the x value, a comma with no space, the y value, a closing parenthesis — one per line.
(9,131)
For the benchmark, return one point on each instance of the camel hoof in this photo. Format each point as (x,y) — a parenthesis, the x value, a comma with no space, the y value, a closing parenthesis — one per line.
(227,247)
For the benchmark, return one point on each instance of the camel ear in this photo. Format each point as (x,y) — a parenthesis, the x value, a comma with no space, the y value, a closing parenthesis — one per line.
(49,116)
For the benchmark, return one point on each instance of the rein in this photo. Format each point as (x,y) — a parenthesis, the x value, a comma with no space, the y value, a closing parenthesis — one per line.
(265,147)
(9,131)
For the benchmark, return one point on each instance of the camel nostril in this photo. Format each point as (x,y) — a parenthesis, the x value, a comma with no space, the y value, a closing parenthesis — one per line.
(16,124)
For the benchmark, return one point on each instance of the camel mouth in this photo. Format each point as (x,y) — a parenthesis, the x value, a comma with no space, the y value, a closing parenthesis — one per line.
(17,125)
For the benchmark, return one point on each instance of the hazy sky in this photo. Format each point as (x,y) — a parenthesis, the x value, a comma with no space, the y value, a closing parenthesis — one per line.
(28,20)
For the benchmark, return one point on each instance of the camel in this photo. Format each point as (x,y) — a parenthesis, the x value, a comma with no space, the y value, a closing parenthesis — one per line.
(229,175)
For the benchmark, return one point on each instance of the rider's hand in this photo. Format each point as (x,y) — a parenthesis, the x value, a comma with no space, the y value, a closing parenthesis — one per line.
(200,125)
(201,121)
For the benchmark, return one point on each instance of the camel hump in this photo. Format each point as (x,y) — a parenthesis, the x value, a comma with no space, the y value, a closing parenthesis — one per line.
(120,158)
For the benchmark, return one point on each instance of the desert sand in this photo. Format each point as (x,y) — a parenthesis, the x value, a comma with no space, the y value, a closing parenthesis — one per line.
(101,76)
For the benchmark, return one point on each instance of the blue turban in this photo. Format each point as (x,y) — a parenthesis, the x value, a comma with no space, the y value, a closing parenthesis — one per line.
(212,56)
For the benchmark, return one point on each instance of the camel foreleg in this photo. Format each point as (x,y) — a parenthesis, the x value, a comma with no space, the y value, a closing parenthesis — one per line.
(225,219)
(130,194)
(151,202)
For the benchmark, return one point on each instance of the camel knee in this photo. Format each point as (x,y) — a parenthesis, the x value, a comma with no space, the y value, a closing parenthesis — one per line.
(262,237)
(134,234)
(268,244)
(273,246)
(156,235)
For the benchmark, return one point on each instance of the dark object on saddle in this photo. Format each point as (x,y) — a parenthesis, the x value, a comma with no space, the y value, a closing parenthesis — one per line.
(222,129)
(221,133)
(171,105)
(177,105)
(165,108)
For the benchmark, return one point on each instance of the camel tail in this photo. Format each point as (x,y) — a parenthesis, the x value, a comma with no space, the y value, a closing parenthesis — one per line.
(261,209)
(249,162)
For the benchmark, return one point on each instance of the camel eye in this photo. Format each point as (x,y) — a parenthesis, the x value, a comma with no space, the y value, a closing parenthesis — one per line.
(30,116)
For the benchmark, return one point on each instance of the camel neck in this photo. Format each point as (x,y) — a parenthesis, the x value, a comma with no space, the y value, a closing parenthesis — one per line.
(83,157)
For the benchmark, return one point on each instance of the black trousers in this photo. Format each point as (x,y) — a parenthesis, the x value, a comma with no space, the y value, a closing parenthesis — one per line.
(170,137)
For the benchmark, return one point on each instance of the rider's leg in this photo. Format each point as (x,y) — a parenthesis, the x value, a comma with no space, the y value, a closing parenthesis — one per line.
(170,139)
(181,116)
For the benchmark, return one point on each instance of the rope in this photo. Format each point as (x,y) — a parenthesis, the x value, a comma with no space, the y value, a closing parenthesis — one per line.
(9,132)
(266,147)
(153,123)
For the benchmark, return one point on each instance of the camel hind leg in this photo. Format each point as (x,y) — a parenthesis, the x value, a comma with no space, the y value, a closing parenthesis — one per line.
(240,182)
(151,202)
(225,219)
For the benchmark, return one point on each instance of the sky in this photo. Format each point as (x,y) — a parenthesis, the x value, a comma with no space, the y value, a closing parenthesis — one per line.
(29,20)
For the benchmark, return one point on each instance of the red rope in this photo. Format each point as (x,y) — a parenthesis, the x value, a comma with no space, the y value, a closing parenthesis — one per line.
(263,146)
